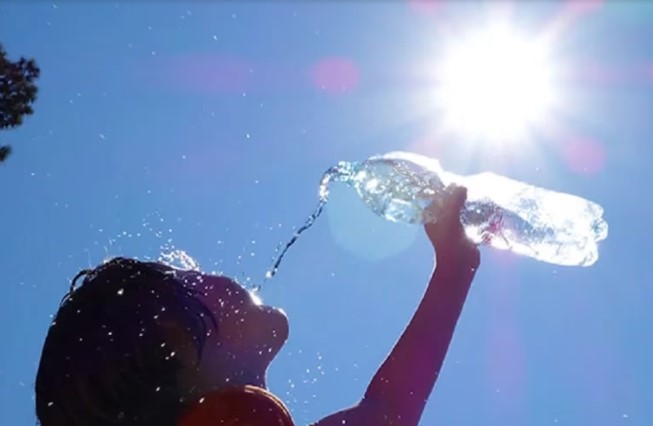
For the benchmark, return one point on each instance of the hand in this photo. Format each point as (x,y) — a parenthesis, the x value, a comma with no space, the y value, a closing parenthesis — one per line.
(452,246)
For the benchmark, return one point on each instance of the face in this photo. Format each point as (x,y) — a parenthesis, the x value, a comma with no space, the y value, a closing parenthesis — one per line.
(248,336)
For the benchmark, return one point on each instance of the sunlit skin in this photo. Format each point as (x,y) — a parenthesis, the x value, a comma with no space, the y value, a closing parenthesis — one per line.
(493,83)
(250,334)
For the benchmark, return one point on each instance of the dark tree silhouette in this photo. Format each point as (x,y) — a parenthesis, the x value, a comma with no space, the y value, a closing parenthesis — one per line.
(17,93)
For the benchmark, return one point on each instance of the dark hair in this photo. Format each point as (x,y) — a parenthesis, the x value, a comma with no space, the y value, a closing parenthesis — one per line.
(109,359)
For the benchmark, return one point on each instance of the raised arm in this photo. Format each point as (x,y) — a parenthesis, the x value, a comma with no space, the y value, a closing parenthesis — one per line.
(399,390)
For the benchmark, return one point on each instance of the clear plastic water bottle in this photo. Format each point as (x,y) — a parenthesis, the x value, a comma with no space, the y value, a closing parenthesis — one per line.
(507,214)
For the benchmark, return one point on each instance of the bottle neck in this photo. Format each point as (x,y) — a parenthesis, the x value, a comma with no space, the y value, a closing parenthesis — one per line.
(344,171)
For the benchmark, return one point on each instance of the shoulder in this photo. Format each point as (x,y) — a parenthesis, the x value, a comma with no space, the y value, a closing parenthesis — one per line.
(358,415)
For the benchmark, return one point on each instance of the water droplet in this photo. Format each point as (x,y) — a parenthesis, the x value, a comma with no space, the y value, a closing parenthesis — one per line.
(179,259)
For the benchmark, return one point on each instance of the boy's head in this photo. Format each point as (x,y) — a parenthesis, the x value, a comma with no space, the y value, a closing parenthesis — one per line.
(138,342)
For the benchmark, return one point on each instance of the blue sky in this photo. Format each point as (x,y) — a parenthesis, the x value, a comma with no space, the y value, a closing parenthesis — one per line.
(206,127)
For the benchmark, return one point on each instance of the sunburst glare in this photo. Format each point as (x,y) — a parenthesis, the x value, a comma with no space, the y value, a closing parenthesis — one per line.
(495,84)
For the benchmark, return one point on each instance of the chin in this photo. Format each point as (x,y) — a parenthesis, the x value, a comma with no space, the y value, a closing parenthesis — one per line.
(273,332)
(278,325)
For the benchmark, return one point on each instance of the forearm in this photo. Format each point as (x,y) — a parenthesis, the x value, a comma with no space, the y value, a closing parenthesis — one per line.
(404,381)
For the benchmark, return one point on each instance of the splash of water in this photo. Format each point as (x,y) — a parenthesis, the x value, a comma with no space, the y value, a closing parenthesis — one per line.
(342,172)
(178,259)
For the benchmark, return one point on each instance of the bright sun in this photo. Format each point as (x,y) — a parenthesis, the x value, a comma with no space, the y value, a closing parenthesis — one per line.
(495,84)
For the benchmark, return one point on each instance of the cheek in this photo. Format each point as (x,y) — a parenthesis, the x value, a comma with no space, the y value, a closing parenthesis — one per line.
(224,306)
(237,326)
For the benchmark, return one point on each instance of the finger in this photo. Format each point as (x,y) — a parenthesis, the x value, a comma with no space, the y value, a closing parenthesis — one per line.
(451,205)
(457,198)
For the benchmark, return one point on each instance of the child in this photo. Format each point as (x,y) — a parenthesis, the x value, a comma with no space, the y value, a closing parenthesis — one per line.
(141,343)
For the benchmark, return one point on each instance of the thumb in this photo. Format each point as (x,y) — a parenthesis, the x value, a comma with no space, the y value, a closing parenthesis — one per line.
(456,199)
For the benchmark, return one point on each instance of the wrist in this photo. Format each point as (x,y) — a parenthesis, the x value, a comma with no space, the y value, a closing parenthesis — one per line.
(458,263)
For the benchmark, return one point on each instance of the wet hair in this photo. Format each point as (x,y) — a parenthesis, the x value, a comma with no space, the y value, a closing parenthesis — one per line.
(110,358)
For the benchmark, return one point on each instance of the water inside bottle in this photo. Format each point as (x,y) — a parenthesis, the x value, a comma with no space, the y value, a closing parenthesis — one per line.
(402,186)
(549,226)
